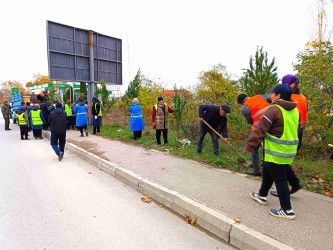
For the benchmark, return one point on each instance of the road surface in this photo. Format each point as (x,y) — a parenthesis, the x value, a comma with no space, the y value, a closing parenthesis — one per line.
(47,204)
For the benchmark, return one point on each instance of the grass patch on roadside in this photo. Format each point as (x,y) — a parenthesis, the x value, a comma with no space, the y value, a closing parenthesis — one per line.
(316,174)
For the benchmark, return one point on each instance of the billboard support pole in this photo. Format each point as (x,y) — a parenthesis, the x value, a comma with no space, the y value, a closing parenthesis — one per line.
(91,88)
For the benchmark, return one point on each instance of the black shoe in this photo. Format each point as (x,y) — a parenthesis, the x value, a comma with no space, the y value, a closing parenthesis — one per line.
(22,138)
(36,138)
(254,173)
(81,135)
(281,213)
(26,139)
(60,156)
(41,137)
(292,191)
(257,198)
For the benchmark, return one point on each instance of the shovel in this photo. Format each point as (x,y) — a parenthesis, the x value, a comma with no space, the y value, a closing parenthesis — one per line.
(247,163)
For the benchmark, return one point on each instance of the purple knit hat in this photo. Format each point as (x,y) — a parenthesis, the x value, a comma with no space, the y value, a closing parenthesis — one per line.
(290,79)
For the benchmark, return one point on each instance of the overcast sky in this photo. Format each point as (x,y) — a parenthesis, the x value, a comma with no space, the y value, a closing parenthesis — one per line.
(171,40)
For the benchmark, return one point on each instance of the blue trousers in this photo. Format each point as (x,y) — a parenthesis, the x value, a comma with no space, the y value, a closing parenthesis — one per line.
(58,142)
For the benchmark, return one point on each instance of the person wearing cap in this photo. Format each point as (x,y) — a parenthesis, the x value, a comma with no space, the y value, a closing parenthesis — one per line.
(160,120)
(216,117)
(302,106)
(5,113)
(37,121)
(279,128)
(302,103)
(44,107)
(253,108)
(137,124)
(23,122)
(96,112)
(81,111)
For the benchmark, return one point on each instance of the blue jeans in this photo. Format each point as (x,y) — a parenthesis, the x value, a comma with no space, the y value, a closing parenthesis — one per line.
(58,139)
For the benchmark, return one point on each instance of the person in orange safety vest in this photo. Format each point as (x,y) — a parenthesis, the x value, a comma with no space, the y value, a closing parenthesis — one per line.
(253,109)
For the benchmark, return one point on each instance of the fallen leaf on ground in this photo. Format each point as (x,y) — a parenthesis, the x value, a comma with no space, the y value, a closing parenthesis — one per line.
(193,221)
(187,219)
(321,180)
(146,199)
(124,185)
(161,206)
(237,219)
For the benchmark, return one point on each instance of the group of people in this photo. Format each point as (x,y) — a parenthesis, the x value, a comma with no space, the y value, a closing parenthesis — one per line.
(278,123)
(56,118)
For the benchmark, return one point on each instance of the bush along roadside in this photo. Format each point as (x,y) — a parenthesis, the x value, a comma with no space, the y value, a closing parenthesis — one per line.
(316,175)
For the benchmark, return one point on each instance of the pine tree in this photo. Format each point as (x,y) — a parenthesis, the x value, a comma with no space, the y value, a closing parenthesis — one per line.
(261,76)
(180,107)
(83,90)
(134,86)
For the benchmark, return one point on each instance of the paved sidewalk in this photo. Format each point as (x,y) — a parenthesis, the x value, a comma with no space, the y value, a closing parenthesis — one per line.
(224,191)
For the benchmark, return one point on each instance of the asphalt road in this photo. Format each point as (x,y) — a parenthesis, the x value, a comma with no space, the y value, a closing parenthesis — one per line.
(47,204)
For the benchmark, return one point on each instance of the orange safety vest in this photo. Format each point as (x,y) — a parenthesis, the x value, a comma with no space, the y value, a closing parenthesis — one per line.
(88,111)
(258,105)
(302,106)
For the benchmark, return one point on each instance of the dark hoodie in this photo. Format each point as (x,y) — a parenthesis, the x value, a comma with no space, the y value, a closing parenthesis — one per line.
(58,121)
(271,122)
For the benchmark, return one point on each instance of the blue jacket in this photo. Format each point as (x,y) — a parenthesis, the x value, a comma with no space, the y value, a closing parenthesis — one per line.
(81,111)
(41,116)
(136,118)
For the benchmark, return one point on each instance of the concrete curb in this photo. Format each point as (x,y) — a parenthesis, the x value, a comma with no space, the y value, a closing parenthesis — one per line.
(215,222)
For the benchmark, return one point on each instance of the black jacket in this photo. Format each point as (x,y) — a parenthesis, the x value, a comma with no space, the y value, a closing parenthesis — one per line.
(95,111)
(58,121)
(211,114)
(44,107)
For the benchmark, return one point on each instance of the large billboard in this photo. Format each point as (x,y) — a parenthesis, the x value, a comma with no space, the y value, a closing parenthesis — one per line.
(70,49)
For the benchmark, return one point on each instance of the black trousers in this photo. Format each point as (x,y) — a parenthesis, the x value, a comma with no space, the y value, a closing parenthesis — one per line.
(137,134)
(158,135)
(203,130)
(7,122)
(70,122)
(98,128)
(24,131)
(81,129)
(278,174)
(37,133)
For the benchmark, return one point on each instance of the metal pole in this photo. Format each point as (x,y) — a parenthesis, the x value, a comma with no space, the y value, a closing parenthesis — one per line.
(91,88)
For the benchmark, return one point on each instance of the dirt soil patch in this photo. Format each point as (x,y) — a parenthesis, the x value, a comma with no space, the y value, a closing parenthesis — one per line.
(90,147)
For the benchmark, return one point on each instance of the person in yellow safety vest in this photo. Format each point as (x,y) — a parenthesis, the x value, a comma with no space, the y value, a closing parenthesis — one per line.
(253,108)
(36,120)
(279,128)
(70,117)
(96,113)
(23,122)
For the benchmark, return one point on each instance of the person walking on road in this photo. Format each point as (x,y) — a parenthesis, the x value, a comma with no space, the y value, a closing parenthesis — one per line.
(302,106)
(279,127)
(23,122)
(96,113)
(253,108)
(160,120)
(137,124)
(216,117)
(37,121)
(29,107)
(5,109)
(45,109)
(58,126)
(69,113)
(81,111)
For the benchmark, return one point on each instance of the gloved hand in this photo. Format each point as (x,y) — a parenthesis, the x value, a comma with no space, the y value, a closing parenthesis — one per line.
(95,117)
(154,124)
